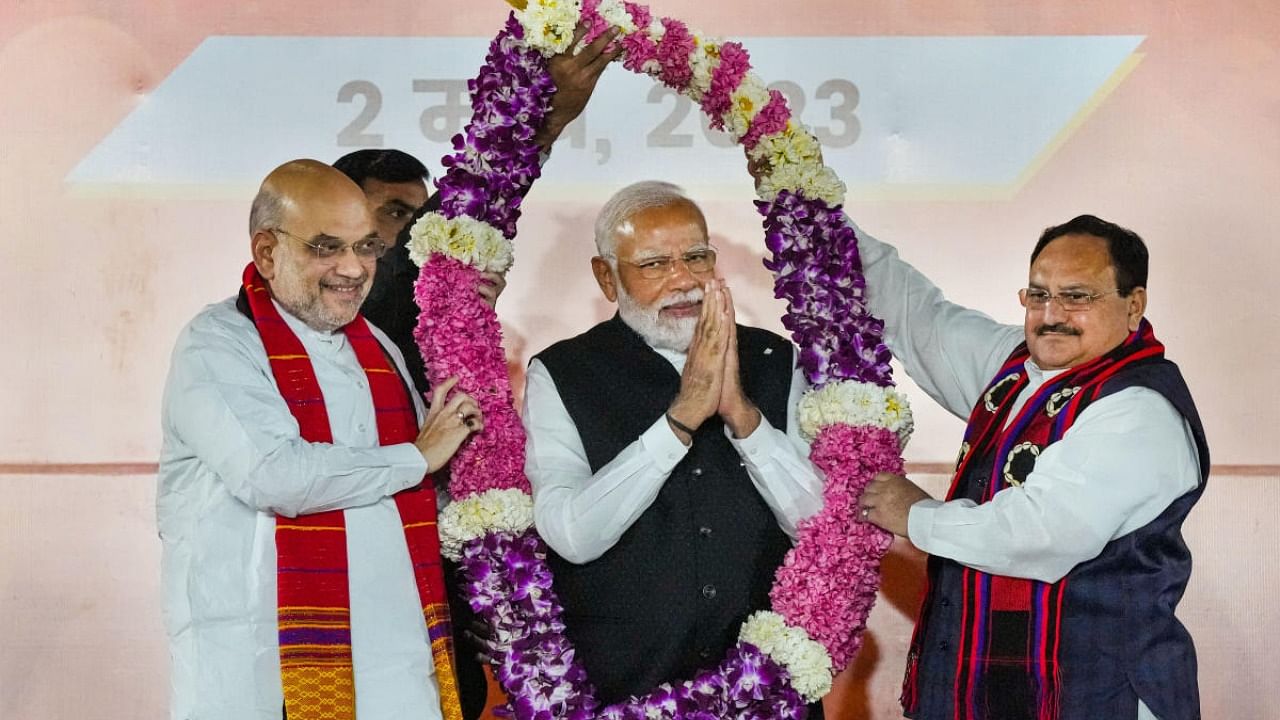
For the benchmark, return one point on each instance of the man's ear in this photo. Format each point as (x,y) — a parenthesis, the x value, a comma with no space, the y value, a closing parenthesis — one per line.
(604,278)
(1137,306)
(263,245)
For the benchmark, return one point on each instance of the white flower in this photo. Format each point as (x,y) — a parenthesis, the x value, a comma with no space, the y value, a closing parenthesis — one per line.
(509,510)
(794,159)
(463,238)
(793,146)
(702,62)
(855,403)
(616,15)
(749,98)
(549,24)
(817,182)
(804,658)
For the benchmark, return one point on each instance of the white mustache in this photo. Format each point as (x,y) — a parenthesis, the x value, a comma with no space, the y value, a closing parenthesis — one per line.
(680,298)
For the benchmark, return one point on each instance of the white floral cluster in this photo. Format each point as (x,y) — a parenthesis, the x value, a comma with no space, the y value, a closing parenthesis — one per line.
(463,238)
(793,159)
(855,403)
(803,657)
(509,510)
(548,24)
(703,62)
(615,14)
(749,98)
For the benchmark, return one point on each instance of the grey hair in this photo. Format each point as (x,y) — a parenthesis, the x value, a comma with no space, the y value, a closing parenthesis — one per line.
(630,201)
(267,211)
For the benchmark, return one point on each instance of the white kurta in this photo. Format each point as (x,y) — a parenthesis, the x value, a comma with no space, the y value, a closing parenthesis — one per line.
(232,458)
(582,514)
(1125,459)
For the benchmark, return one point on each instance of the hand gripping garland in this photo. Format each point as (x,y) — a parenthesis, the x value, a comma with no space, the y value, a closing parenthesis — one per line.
(856,421)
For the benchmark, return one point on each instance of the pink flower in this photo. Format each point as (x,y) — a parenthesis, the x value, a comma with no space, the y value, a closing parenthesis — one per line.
(459,335)
(639,51)
(828,582)
(734,64)
(638,48)
(640,14)
(673,54)
(771,119)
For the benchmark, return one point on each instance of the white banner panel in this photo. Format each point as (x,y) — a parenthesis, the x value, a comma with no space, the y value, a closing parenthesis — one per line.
(894,113)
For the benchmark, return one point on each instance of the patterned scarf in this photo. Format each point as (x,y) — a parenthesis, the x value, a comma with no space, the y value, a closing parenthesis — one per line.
(1010,635)
(313,597)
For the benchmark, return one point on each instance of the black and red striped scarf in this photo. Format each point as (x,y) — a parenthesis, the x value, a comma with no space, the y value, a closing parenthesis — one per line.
(1011,628)
(313,595)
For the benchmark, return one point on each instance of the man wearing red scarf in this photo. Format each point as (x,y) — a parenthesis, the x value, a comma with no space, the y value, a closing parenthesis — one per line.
(1057,559)
(301,558)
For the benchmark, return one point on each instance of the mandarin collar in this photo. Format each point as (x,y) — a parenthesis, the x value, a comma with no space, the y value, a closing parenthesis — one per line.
(1038,376)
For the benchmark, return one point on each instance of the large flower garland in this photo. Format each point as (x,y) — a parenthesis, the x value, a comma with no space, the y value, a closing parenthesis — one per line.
(857,423)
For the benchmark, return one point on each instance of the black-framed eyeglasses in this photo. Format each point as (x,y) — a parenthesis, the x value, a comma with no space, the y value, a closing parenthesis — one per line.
(1070,300)
(367,249)
(698,260)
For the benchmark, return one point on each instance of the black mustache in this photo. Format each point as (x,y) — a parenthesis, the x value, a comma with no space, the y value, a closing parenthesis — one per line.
(1057,328)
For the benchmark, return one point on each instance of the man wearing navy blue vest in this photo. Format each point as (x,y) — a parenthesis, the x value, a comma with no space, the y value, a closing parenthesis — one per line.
(1057,560)
(666,467)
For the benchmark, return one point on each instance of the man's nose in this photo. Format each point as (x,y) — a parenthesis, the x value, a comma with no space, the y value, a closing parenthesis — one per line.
(349,264)
(681,278)
(1054,312)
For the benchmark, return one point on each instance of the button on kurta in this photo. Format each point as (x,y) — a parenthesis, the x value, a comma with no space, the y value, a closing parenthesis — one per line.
(697,472)
(704,531)
(708,591)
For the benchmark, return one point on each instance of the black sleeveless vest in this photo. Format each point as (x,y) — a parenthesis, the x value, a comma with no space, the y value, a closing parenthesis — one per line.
(669,597)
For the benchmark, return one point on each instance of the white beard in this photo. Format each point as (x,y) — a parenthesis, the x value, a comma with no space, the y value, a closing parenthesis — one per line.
(657,331)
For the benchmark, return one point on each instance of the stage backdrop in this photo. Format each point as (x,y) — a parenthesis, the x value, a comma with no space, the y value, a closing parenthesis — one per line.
(134,135)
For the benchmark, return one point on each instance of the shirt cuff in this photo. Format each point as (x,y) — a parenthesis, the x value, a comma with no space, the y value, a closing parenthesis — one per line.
(662,445)
(920,523)
(757,447)
(408,467)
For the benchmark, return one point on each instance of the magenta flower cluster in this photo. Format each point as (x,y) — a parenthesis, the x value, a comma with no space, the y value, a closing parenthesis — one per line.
(459,336)
(829,580)
(771,119)
(733,66)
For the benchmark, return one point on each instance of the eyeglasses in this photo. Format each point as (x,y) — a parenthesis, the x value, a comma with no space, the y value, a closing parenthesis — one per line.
(698,261)
(1070,300)
(366,249)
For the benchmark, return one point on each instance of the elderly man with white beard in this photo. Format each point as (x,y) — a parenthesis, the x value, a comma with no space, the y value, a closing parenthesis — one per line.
(668,473)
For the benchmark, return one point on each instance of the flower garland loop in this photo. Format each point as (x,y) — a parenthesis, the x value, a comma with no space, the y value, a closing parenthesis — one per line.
(856,421)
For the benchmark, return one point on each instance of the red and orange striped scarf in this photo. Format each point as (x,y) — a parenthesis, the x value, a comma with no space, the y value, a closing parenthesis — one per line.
(313,597)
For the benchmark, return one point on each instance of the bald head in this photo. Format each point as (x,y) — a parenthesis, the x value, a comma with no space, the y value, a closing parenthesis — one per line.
(297,188)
